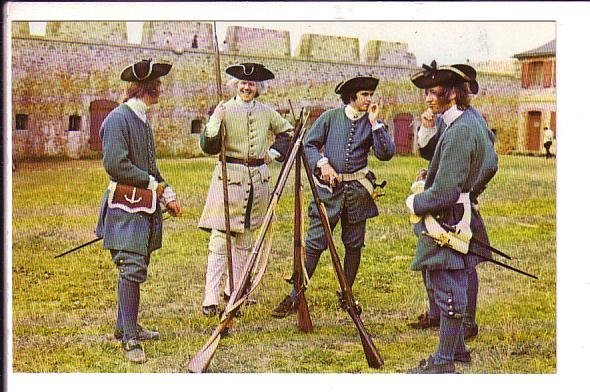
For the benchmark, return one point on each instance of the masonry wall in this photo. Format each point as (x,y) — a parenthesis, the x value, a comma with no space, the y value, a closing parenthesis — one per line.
(54,79)
(257,42)
(332,48)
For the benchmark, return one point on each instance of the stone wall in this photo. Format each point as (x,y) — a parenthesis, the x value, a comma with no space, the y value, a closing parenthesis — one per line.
(381,52)
(54,79)
(330,48)
(258,42)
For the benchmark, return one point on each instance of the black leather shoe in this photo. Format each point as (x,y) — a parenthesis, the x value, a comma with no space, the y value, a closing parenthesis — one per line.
(470,332)
(286,307)
(427,366)
(210,310)
(142,334)
(425,322)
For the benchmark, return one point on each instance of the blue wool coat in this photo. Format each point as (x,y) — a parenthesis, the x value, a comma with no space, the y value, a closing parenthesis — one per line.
(129,157)
(462,159)
(346,144)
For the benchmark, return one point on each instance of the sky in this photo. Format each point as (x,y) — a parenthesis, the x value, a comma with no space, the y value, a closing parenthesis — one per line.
(447,42)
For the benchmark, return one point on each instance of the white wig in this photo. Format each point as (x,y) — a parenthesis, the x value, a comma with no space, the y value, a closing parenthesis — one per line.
(261,87)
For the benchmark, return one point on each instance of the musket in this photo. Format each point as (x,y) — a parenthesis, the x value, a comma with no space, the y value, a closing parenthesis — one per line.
(201,360)
(86,244)
(471,252)
(371,353)
(303,317)
(223,158)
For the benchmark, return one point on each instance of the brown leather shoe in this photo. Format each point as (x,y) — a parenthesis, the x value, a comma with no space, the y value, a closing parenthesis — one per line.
(427,366)
(142,334)
(133,351)
(425,322)
(286,307)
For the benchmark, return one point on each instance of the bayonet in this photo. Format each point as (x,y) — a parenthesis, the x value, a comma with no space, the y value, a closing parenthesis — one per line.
(478,242)
(470,252)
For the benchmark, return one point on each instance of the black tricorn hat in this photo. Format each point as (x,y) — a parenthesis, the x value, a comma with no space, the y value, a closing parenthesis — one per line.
(357,83)
(250,71)
(145,70)
(446,75)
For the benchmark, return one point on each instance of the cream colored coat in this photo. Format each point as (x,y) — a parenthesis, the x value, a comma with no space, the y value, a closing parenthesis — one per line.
(247,130)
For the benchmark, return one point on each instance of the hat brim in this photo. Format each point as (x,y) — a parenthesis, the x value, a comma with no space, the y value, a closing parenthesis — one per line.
(250,71)
(158,69)
(356,84)
(446,76)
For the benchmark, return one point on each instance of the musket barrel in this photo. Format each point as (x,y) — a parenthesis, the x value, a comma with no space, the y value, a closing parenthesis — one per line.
(371,353)
(201,360)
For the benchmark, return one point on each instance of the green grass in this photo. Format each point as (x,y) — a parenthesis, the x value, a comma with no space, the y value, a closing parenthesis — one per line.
(64,309)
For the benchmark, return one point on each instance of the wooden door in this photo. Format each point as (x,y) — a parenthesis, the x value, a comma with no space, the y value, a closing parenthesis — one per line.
(533,137)
(402,124)
(98,111)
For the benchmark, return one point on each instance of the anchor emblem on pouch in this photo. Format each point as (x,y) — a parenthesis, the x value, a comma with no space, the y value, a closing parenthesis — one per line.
(132,200)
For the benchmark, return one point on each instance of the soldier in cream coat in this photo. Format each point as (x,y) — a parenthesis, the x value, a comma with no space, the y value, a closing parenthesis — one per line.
(248,123)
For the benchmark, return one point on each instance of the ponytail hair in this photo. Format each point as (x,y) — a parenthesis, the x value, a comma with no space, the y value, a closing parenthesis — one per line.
(142,89)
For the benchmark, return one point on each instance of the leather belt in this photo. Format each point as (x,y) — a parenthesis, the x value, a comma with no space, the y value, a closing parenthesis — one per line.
(245,162)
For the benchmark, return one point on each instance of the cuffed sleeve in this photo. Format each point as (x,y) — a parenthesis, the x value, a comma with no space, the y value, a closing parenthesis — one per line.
(315,139)
(153,184)
(274,154)
(424,135)
(169,195)
(383,144)
(322,161)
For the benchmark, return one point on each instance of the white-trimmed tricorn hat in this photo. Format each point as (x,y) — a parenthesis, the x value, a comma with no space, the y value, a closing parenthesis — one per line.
(250,71)
(446,75)
(145,70)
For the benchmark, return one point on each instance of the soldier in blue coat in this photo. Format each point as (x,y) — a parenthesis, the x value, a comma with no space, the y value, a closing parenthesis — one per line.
(130,219)
(456,169)
(338,145)
(428,137)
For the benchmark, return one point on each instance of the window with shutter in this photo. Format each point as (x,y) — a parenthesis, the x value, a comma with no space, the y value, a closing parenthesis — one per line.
(525,75)
(547,73)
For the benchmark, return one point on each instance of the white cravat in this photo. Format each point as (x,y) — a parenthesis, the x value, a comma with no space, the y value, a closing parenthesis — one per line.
(241,102)
(352,113)
(139,108)
(451,115)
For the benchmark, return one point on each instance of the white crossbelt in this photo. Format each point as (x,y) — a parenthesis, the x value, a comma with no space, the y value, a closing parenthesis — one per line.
(459,240)
(360,176)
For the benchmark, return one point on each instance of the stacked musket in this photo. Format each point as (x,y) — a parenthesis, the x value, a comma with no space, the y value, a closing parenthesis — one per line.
(202,359)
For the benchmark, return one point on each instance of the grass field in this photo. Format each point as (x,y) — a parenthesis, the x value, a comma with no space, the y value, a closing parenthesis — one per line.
(64,309)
